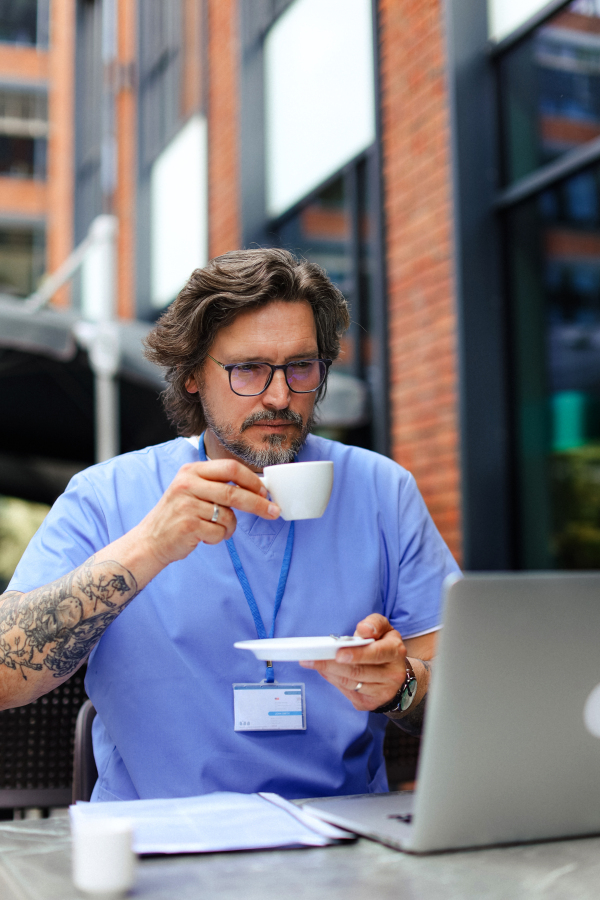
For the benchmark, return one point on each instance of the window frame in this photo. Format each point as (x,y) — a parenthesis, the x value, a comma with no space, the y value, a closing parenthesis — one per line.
(256,19)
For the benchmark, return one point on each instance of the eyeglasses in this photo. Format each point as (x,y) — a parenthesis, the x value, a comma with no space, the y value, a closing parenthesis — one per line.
(250,379)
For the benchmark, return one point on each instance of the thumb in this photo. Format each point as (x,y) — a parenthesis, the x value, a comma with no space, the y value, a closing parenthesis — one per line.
(374,626)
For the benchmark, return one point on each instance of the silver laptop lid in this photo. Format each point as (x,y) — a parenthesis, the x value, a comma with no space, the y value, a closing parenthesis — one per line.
(506,755)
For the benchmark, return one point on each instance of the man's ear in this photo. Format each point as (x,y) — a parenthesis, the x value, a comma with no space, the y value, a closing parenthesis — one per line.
(191,386)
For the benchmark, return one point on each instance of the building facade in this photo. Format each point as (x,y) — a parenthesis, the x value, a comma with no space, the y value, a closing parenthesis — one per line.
(439,159)
(36,141)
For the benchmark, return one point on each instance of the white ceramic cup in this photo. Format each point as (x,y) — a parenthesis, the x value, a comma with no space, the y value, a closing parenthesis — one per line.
(301,490)
(104,863)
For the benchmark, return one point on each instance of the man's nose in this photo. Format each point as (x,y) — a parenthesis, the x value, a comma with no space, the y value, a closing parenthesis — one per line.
(277,395)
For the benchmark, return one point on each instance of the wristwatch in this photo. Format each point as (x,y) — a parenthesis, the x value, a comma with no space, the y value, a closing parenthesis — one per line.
(404,696)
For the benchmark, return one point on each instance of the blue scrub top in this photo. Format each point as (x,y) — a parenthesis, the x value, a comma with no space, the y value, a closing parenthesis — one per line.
(160,678)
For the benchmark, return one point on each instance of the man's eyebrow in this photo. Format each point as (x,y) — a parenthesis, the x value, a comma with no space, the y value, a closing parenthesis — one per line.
(311,354)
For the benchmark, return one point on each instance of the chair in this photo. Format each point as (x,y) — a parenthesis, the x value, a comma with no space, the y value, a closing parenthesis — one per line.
(36,748)
(401,752)
(85,772)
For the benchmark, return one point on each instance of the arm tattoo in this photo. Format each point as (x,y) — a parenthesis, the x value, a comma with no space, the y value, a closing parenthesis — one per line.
(56,626)
(412,722)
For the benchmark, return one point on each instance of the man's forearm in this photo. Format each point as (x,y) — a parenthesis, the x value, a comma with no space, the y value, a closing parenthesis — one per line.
(46,634)
(412,719)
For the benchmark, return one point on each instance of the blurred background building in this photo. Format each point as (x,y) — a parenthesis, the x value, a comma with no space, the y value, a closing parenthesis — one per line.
(440,159)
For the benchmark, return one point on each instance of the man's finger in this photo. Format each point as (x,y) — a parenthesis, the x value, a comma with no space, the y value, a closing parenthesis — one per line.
(229,470)
(195,480)
(232,496)
(226,518)
(337,674)
(374,626)
(385,650)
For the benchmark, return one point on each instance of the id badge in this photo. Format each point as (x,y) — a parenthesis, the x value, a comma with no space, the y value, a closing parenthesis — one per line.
(269,707)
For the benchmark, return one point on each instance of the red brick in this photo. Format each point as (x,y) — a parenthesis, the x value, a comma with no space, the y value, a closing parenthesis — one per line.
(422,316)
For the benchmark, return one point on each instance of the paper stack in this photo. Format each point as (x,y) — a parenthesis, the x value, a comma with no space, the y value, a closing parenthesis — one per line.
(214,822)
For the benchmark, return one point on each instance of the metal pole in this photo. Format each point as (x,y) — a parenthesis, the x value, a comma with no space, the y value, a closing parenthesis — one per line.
(106,417)
(104,344)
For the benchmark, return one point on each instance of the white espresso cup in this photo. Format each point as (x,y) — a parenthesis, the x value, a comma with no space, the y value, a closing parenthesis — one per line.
(301,490)
(104,863)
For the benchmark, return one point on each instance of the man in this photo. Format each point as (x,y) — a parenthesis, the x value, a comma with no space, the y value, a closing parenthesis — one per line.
(246,347)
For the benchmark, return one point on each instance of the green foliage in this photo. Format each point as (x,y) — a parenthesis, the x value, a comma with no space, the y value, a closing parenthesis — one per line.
(576,503)
(19,520)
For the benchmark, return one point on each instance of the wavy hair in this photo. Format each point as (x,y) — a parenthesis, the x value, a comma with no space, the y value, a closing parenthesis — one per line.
(212,298)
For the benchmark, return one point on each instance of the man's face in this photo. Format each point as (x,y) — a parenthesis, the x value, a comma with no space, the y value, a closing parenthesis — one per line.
(269,428)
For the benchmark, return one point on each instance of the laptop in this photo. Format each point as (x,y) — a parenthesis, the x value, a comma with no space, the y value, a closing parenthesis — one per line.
(511,746)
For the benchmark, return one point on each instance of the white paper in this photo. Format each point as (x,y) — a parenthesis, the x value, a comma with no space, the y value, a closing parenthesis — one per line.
(214,822)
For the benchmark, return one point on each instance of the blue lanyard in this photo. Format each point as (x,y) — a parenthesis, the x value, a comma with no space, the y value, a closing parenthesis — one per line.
(239,571)
(285,568)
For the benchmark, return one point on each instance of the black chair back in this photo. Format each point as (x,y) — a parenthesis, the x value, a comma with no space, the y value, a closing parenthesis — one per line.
(36,748)
(85,772)
(401,752)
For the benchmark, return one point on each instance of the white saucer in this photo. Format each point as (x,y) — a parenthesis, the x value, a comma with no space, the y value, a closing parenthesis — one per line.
(295,649)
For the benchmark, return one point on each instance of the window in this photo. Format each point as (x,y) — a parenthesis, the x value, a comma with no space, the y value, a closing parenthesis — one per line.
(23,132)
(21,259)
(550,104)
(160,39)
(550,89)
(316,190)
(335,228)
(318,72)
(24,21)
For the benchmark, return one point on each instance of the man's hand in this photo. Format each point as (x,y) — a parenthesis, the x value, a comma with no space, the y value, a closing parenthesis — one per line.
(380,666)
(183,516)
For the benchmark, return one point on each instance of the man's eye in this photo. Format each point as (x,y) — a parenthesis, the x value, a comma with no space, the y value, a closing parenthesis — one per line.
(248,368)
(302,364)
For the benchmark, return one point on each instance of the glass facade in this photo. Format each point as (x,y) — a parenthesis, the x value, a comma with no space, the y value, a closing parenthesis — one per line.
(335,229)
(550,103)
(19,21)
(22,259)
(554,253)
(550,90)
(23,132)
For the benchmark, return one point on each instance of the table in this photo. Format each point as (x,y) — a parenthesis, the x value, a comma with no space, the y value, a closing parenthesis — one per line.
(35,865)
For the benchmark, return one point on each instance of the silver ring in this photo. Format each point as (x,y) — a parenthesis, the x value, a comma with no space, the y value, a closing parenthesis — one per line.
(215,515)
(358,687)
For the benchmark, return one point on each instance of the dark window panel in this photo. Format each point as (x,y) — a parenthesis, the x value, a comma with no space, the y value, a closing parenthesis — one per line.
(19,21)
(159,75)
(334,229)
(554,271)
(17,156)
(22,259)
(22,104)
(550,90)
(159,116)
(88,115)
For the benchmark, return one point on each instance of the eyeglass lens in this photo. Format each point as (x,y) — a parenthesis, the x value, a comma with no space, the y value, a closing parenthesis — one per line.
(302,377)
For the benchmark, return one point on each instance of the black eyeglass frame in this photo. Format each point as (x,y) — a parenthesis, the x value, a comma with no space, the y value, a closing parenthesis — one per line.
(229,367)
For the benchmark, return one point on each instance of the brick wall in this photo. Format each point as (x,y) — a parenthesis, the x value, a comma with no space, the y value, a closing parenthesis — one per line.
(124,199)
(223,92)
(60,187)
(422,320)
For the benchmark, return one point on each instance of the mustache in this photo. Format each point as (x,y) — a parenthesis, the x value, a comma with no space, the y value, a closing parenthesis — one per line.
(270,415)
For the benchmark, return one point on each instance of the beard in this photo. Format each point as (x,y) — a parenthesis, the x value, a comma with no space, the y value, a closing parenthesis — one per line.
(272,452)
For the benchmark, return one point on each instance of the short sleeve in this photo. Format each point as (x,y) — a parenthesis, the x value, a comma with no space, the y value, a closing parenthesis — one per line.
(423,563)
(73,530)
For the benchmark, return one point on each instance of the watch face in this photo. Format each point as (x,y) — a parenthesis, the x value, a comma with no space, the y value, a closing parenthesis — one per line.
(408,692)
